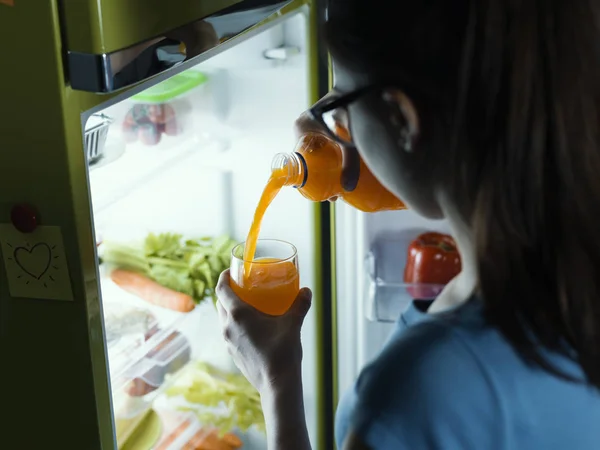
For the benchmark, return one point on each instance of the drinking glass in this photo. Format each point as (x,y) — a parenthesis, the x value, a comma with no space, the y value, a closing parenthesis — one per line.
(271,281)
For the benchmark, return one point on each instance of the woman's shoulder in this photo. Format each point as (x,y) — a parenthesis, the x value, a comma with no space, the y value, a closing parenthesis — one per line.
(427,372)
(430,351)
(440,376)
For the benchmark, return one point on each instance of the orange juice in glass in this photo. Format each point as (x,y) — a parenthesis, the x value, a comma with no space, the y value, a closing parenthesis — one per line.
(270,282)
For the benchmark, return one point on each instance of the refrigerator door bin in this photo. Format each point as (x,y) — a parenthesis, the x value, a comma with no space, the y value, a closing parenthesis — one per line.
(387,293)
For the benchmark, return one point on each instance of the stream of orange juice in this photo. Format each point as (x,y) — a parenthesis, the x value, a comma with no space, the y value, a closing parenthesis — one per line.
(274,185)
(268,284)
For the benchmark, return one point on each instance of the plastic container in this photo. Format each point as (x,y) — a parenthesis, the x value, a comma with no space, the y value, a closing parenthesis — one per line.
(315,169)
(141,353)
(169,356)
(127,330)
(134,391)
(165,111)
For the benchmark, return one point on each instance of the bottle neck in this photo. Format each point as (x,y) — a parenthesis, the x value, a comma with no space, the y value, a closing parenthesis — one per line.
(292,167)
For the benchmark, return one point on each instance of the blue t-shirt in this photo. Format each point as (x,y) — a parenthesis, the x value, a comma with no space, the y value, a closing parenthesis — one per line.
(454,382)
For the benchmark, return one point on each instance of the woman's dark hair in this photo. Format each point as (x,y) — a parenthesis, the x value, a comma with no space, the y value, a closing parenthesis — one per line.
(520,85)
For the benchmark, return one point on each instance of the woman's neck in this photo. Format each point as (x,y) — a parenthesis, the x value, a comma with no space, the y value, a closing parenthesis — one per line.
(461,288)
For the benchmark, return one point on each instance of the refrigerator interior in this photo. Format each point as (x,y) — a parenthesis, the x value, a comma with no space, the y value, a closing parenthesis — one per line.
(371,252)
(200,180)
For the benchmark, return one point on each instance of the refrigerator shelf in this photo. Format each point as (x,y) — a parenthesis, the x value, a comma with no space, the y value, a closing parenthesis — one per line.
(139,165)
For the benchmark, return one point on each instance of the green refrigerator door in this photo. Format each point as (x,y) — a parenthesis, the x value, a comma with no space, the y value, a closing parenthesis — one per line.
(54,370)
(56,390)
(112,45)
(104,26)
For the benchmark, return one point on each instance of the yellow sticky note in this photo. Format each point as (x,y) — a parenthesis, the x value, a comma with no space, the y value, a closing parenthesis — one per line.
(36,266)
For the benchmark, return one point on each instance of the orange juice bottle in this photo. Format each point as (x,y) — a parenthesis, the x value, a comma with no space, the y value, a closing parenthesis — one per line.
(315,169)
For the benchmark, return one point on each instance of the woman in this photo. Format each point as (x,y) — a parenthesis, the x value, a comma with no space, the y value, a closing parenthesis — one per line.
(485,113)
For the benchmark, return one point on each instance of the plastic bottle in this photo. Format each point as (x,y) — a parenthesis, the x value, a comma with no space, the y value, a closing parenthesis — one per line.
(315,169)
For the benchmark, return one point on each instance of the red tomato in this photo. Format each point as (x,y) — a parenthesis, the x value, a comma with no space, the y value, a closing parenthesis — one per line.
(432,261)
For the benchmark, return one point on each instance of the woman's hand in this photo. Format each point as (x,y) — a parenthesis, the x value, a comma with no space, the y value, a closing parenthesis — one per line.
(267,349)
(350,158)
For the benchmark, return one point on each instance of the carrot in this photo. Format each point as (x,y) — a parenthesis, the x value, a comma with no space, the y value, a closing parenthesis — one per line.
(151,291)
(232,440)
(167,441)
(204,440)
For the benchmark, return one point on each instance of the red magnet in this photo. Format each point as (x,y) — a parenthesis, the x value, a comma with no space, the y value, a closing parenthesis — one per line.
(24,217)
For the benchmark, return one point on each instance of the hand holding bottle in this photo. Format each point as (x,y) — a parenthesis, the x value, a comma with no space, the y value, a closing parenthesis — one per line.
(350,158)
(315,170)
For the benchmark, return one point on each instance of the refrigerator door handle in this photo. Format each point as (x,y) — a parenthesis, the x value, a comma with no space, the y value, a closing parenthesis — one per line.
(110,72)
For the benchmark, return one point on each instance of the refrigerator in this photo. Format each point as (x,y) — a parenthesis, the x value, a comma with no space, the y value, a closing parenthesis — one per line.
(133,135)
(133,131)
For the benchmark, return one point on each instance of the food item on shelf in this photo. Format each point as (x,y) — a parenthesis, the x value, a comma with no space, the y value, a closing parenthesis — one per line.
(171,128)
(156,113)
(149,134)
(190,267)
(203,439)
(139,388)
(129,128)
(167,441)
(211,440)
(149,122)
(149,290)
(231,439)
(222,400)
(168,356)
(119,321)
(432,261)
(161,109)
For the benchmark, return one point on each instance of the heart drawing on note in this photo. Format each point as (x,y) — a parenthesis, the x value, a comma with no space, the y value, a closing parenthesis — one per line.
(34,261)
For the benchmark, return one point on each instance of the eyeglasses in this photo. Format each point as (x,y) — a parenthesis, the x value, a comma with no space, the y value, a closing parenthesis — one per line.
(331,112)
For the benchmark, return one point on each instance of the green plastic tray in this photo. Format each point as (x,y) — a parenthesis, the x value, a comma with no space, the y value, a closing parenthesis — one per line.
(171,88)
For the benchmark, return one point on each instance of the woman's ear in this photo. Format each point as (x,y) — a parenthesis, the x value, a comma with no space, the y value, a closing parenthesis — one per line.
(403,117)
